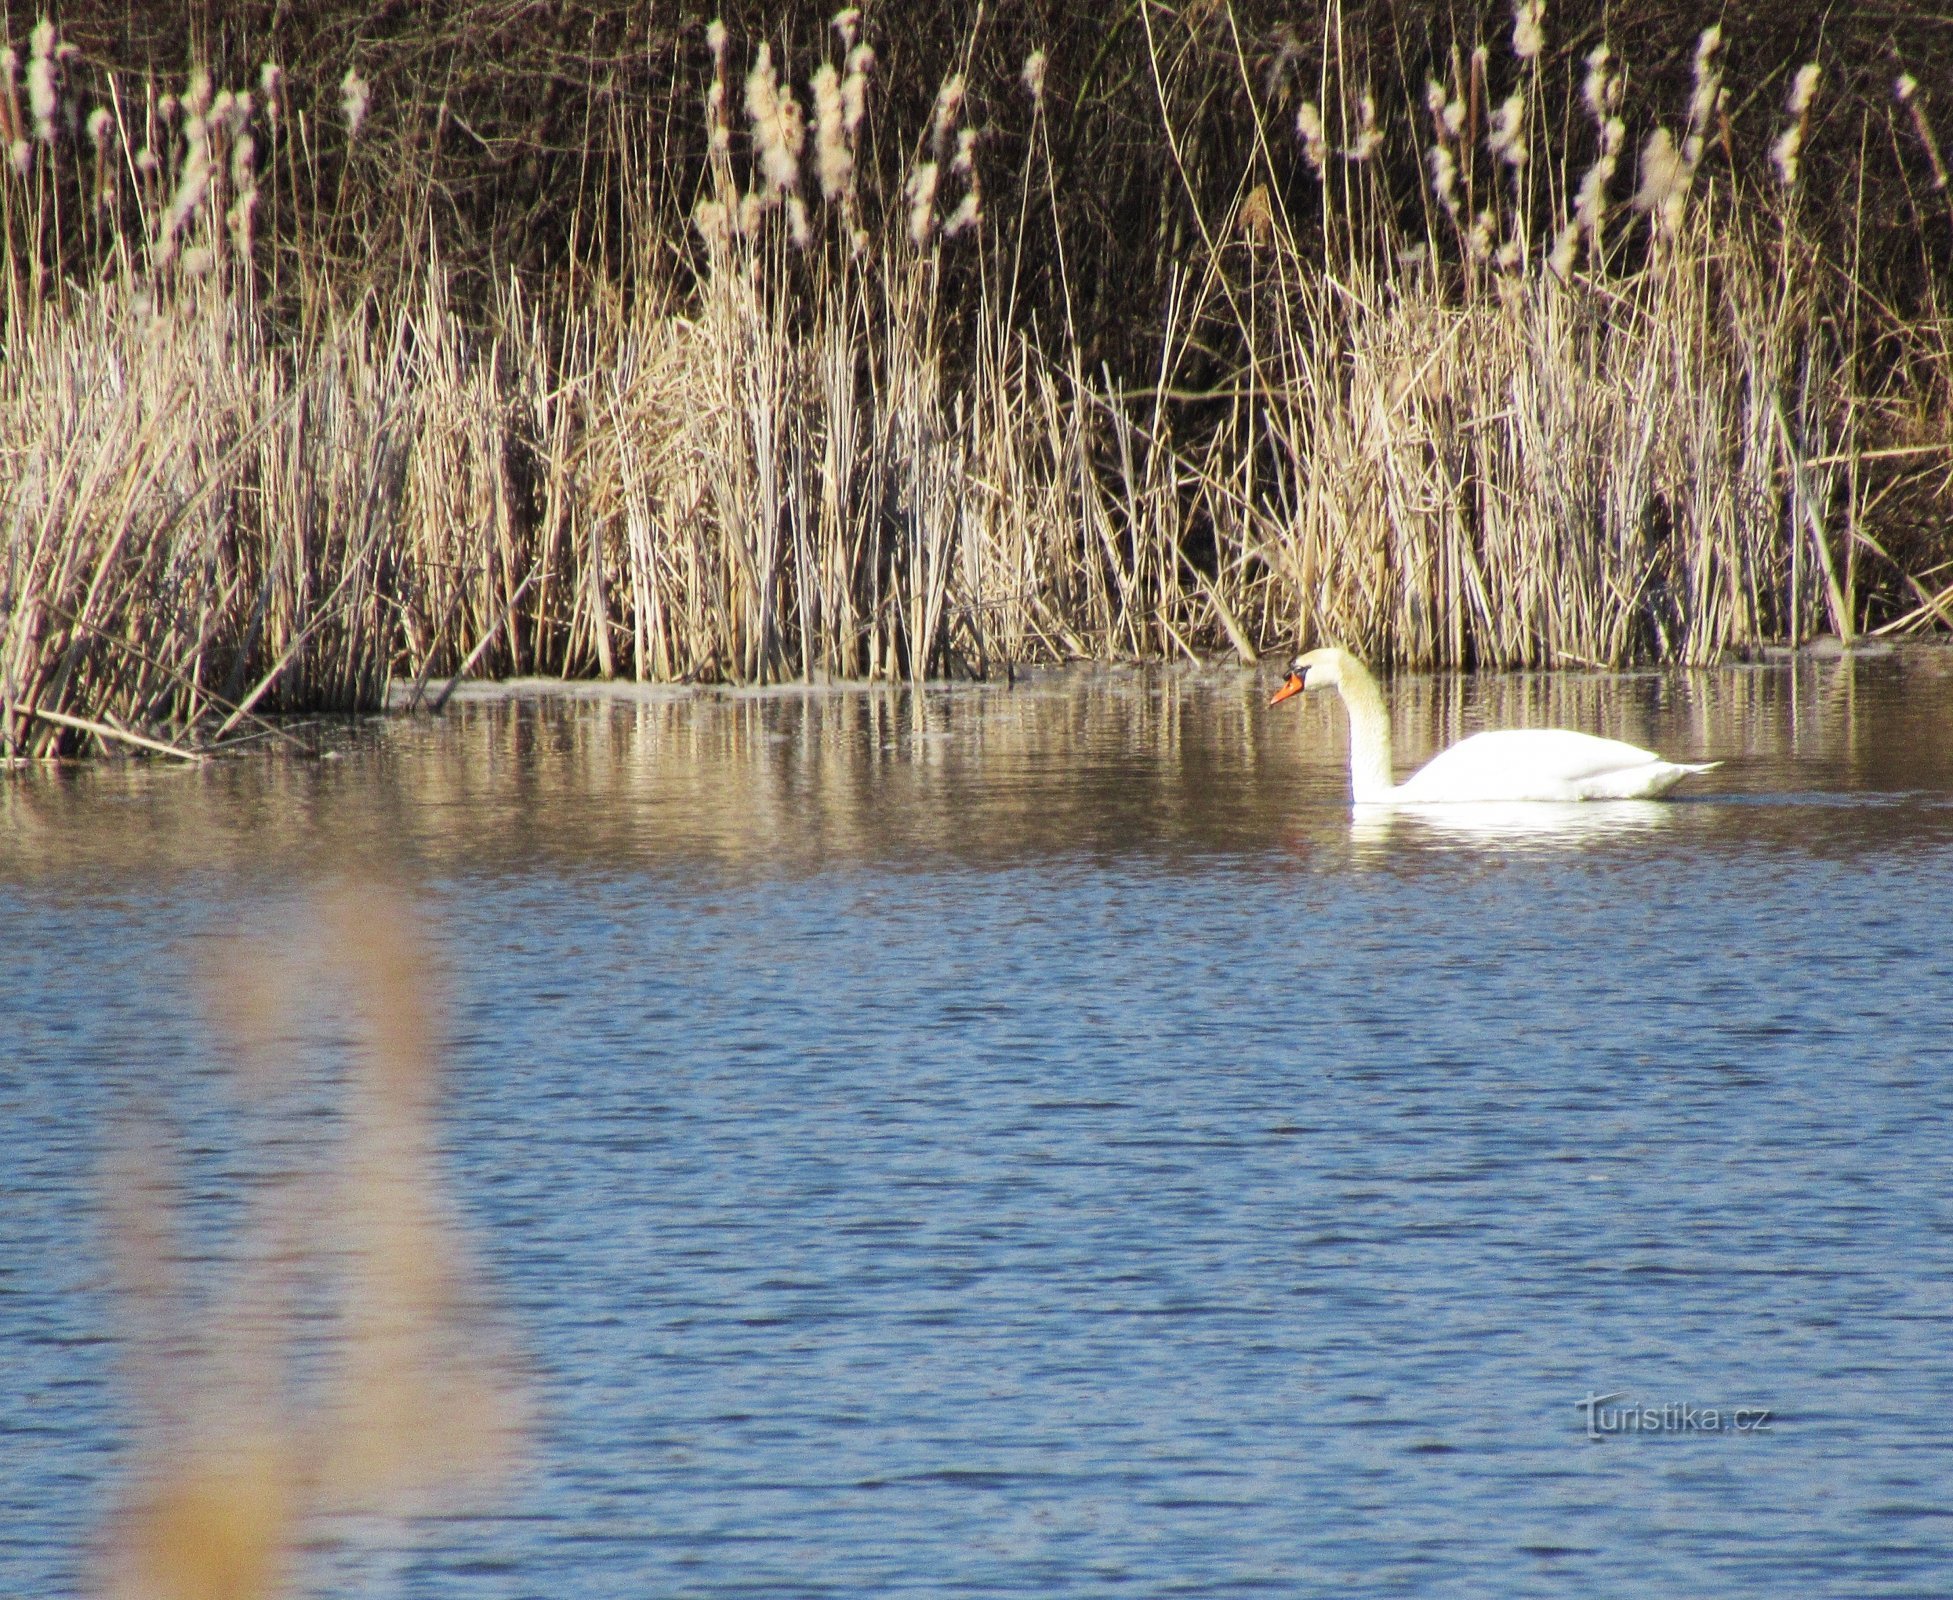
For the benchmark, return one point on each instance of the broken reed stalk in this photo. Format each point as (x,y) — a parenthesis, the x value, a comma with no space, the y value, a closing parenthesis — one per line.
(1594,408)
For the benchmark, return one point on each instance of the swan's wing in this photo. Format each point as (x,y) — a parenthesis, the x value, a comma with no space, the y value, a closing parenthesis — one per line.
(1542,764)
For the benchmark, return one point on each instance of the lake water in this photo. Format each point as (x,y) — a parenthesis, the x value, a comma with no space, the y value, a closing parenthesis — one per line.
(1030,1140)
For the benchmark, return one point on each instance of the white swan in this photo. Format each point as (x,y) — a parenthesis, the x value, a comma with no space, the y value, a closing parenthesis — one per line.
(1514,764)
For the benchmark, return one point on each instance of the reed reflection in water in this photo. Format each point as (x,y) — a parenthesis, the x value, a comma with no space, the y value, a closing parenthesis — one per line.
(1148,760)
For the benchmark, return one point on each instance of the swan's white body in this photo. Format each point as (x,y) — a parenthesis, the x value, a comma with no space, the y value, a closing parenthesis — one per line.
(1524,764)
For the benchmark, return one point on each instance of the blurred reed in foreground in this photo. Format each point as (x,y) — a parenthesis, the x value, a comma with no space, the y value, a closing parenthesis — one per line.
(1571,394)
(338,1376)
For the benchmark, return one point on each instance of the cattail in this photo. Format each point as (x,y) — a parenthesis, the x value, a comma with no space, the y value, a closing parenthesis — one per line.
(1788,149)
(753,206)
(198,260)
(949,101)
(193,184)
(1528,37)
(354,98)
(1664,181)
(797,224)
(1708,77)
(1444,178)
(1906,88)
(778,131)
(968,213)
(42,99)
(847,23)
(854,87)
(1275,80)
(1308,128)
(715,117)
(1368,135)
(969,210)
(921,190)
(1447,115)
(10,124)
(240,217)
(271,85)
(718,128)
(711,220)
(99,126)
(1803,89)
(1566,249)
(1479,241)
(1590,202)
(833,160)
(1602,89)
(244,162)
(1032,77)
(1506,137)
(1707,98)
(196,98)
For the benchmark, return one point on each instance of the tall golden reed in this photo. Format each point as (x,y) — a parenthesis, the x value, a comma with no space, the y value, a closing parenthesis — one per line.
(1586,400)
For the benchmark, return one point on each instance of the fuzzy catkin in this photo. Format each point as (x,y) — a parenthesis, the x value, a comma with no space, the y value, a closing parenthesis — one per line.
(833,160)
(354,99)
(922,203)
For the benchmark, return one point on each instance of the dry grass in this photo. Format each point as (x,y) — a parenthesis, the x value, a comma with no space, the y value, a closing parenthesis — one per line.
(325,1367)
(1567,396)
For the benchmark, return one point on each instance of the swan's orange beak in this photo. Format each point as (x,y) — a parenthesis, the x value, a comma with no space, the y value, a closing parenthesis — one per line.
(1292,686)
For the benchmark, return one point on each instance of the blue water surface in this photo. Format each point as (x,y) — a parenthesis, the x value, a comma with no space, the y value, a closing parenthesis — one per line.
(1035,1142)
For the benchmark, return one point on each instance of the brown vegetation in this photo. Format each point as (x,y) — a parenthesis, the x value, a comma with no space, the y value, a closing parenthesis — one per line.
(676,351)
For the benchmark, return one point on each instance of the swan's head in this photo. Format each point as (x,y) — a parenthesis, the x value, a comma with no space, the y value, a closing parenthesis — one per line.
(1314,669)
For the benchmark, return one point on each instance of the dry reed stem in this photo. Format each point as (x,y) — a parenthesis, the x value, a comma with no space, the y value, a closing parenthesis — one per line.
(1537,433)
(248,1447)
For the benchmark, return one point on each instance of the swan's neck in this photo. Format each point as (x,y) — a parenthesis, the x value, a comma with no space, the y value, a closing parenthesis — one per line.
(1370,777)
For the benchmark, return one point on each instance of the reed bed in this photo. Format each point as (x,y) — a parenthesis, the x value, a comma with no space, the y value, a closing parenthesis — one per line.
(1486,365)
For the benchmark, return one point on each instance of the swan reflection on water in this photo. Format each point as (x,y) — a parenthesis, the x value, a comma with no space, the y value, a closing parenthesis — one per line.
(1510,821)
